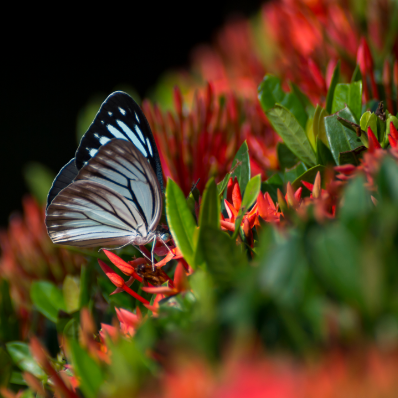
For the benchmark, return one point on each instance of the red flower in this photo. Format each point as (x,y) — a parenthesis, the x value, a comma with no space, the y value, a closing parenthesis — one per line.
(232,206)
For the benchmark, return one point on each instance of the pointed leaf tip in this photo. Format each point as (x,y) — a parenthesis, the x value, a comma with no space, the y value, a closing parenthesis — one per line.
(373,143)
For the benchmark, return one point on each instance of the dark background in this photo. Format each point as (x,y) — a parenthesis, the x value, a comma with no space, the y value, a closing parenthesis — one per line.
(52,64)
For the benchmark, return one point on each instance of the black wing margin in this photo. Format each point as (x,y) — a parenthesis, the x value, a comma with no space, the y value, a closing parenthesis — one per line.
(120,117)
(64,178)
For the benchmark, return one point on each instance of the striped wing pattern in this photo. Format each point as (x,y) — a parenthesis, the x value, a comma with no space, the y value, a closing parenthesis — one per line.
(66,175)
(114,200)
(119,117)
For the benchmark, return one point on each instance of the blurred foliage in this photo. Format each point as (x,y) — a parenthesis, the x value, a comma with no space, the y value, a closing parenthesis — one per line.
(298,262)
(39,180)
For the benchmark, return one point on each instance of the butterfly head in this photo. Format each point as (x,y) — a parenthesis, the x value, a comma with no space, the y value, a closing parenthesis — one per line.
(163,233)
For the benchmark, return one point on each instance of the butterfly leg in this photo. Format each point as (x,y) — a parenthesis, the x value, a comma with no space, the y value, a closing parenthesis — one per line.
(137,247)
(168,248)
(152,251)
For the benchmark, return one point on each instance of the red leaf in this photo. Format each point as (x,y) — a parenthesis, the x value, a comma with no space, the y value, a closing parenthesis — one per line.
(373,143)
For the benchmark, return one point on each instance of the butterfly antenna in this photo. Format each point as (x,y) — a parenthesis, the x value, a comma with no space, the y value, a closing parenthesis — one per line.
(152,252)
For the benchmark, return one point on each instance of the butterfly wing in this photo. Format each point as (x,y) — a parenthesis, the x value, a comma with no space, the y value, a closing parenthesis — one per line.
(114,200)
(88,214)
(65,177)
(120,117)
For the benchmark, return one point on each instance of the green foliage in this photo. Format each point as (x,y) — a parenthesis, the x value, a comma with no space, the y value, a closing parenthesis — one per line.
(48,299)
(22,357)
(293,134)
(249,197)
(208,216)
(340,137)
(270,93)
(39,180)
(240,169)
(9,325)
(332,87)
(286,287)
(348,95)
(369,119)
(181,222)
(286,157)
(90,372)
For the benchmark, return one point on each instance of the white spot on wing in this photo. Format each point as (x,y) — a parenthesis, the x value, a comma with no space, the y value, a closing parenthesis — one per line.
(92,151)
(133,138)
(138,130)
(122,111)
(136,116)
(110,113)
(104,140)
(149,146)
(114,131)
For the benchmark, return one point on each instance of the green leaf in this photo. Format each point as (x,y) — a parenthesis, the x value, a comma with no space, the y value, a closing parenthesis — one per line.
(283,272)
(71,292)
(181,222)
(241,167)
(286,157)
(323,154)
(39,180)
(294,172)
(357,75)
(369,119)
(319,125)
(272,185)
(91,375)
(305,101)
(352,157)
(394,121)
(221,254)
(249,197)
(341,138)
(333,83)
(336,258)
(9,325)
(6,366)
(223,184)
(85,285)
(22,357)
(348,94)
(28,393)
(387,180)
(48,299)
(309,130)
(271,93)
(355,208)
(308,176)
(381,129)
(16,378)
(294,136)
(209,214)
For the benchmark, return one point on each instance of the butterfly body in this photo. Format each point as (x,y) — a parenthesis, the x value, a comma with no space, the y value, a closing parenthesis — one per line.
(111,193)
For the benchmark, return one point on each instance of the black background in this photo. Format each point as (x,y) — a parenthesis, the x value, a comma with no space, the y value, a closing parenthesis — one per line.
(53,62)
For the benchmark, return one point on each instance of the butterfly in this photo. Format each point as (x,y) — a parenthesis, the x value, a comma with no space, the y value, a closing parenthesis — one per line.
(110,194)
